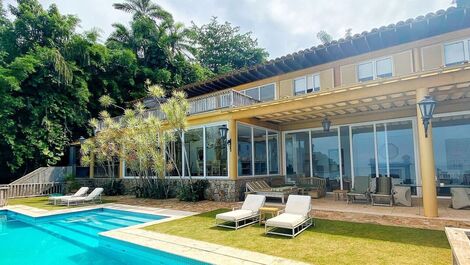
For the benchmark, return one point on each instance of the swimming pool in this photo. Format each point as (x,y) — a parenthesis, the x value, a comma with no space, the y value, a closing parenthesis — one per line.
(73,238)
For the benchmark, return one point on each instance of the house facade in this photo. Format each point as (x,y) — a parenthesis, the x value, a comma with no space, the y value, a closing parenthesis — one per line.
(366,87)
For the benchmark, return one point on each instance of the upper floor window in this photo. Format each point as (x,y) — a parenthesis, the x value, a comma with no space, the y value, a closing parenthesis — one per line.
(300,86)
(262,93)
(380,68)
(456,52)
(307,84)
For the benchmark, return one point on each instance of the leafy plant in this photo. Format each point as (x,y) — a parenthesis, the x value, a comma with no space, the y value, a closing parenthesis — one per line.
(192,191)
(154,189)
(114,188)
(71,184)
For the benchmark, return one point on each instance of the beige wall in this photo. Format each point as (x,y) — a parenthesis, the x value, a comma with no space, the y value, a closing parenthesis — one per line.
(401,55)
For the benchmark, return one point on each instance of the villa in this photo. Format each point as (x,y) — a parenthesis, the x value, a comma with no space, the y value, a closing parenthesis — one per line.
(340,111)
(381,117)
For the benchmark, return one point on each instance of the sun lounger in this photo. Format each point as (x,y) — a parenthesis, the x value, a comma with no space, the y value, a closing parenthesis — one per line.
(94,196)
(260,187)
(81,192)
(248,214)
(295,218)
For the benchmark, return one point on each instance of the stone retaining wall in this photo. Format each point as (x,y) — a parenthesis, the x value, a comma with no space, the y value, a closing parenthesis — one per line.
(219,189)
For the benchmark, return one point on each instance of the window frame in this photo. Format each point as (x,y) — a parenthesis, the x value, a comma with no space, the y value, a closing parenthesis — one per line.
(374,69)
(307,88)
(466,52)
(243,91)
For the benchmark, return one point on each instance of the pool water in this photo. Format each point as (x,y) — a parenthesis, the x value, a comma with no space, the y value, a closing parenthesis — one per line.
(73,238)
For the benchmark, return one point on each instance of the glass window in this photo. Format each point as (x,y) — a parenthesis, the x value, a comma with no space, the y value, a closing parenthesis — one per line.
(216,152)
(365,72)
(267,92)
(174,157)
(381,149)
(401,155)
(451,140)
(259,142)
(254,93)
(244,151)
(273,151)
(325,157)
(384,68)
(346,157)
(363,151)
(316,83)
(300,86)
(193,143)
(297,156)
(454,53)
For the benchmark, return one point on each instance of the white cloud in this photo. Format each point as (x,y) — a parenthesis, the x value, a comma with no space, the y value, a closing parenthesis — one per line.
(281,26)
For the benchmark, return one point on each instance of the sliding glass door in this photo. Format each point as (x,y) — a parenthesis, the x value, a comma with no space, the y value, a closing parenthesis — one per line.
(325,157)
(297,155)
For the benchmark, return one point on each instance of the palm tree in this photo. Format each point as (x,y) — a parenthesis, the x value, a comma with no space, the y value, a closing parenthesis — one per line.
(178,40)
(144,8)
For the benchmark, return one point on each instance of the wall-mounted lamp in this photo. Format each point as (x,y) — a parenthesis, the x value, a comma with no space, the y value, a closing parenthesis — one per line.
(81,140)
(223,131)
(426,107)
(326,123)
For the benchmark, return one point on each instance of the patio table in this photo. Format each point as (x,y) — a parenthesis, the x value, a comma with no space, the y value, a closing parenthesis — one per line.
(263,211)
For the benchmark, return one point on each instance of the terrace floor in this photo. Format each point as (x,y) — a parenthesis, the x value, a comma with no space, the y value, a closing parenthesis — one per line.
(328,208)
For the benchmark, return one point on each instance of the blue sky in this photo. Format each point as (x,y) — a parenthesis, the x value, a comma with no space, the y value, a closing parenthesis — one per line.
(281,26)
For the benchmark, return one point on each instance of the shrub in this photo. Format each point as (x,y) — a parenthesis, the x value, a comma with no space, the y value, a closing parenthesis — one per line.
(154,189)
(187,191)
(114,188)
(71,184)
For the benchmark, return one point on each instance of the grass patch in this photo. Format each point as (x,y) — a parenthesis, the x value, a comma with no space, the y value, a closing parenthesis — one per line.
(43,203)
(330,242)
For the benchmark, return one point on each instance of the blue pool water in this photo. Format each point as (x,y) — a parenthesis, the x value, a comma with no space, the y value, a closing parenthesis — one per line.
(72,239)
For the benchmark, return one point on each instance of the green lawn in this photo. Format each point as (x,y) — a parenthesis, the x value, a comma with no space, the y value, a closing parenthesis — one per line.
(43,203)
(330,242)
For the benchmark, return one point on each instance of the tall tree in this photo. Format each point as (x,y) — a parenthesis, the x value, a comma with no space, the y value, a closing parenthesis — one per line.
(144,8)
(324,37)
(222,48)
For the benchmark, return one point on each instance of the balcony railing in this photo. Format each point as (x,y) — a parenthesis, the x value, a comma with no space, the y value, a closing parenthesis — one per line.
(205,103)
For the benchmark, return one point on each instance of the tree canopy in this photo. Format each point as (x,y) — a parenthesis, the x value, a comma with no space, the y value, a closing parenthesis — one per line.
(52,77)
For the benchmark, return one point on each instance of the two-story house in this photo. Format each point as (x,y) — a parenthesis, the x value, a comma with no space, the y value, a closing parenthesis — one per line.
(340,111)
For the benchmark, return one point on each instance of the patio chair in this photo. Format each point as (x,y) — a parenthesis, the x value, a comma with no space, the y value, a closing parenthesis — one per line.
(361,190)
(261,187)
(294,219)
(94,196)
(80,193)
(383,195)
(460,197)
(248,214)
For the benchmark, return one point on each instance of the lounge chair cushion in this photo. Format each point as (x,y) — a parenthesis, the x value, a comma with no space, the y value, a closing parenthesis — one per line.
(81,192)
(286,220)
(234,215)
(253,202)
(298,205)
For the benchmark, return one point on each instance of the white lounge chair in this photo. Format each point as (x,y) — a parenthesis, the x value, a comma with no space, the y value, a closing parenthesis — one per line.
(248,214)
(80,192)
(94,196)
(295,217)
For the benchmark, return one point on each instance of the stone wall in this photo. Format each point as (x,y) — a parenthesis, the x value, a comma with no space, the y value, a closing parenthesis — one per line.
(219,189)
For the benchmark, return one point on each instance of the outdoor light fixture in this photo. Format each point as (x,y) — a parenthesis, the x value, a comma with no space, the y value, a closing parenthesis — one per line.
(426,107)
(326,123)
(81,140)
(223,131)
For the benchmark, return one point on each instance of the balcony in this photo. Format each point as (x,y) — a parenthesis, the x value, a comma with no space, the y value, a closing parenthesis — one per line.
(205,103)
